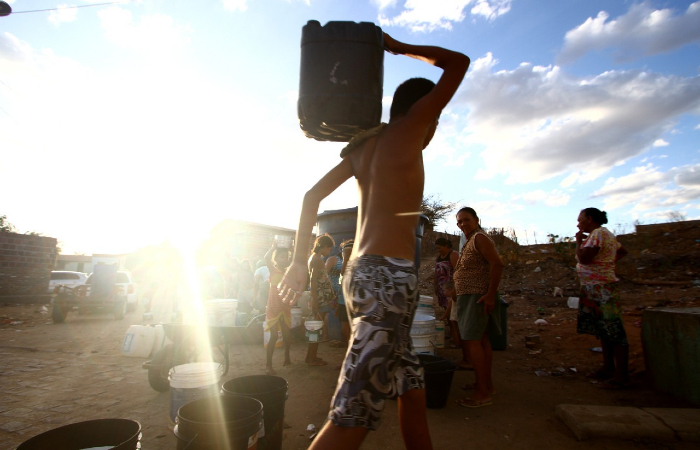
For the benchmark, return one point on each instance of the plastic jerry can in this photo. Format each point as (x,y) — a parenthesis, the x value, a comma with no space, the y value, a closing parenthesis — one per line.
(341,79)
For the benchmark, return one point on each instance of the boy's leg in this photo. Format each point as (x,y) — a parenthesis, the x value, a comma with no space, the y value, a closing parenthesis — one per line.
(271,348)
(287,339)
(325,336)
(311,358)
(413,420)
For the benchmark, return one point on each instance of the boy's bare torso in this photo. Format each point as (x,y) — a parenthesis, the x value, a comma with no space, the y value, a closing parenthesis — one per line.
(390,178)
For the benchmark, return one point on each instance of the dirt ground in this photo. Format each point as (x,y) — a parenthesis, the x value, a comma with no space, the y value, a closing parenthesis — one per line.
(58,374)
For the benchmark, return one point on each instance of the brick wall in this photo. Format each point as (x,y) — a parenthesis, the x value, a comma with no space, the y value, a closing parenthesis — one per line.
(26,262)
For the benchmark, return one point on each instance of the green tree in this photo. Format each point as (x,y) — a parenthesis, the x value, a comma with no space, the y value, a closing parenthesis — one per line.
(6,226)
(435,209)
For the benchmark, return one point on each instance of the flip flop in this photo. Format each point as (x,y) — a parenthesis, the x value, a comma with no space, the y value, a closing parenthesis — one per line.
(471,403)
(472,387)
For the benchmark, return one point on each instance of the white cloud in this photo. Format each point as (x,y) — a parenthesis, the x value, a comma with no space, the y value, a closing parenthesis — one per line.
(63,14)
(383,4)
(660,143)
(648,188)
(491,9)
(429,15)
(235,5)
(154,34)
(551,199)
(641,31)
(539,122)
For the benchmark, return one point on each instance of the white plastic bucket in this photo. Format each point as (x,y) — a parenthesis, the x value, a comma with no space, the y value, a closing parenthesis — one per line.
(422,325)
(279,342)
(424,344)
(439,334)
(138,341)
(190,382)
(296,317)
(283,241)
(426,312)
(425,301)
(221,312)
(313,330)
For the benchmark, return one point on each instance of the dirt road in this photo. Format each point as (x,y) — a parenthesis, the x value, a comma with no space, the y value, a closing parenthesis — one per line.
(58,374)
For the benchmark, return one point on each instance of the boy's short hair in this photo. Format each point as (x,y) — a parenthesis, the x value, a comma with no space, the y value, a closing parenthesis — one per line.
(408,93)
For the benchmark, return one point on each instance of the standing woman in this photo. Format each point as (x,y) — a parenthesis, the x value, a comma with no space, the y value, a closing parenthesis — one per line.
(321,291)
(476,278)
(335,266)
(599,310)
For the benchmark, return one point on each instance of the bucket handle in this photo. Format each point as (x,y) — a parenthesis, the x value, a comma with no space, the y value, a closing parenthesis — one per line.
(191,441)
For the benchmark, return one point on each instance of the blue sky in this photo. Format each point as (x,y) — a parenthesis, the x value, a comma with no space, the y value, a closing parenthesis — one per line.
(130,124)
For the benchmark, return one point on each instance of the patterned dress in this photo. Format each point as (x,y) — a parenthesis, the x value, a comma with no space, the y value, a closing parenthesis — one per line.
(443,274)
(599,309)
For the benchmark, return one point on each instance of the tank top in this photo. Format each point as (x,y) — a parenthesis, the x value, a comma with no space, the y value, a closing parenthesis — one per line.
(472,274)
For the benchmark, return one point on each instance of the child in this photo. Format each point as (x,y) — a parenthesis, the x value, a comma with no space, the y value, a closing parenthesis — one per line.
(277,312)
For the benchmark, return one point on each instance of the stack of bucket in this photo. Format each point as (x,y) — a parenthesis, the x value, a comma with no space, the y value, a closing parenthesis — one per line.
(249,414)
(425,306)
(423,334)
(189,382)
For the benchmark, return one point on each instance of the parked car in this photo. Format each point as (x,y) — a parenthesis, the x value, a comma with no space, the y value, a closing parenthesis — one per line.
(66,278)
(125,281)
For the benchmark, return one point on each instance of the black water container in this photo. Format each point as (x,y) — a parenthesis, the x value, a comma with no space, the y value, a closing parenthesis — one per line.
(438,379)
(271,391)
(341,79)
(117,434)
(219,422)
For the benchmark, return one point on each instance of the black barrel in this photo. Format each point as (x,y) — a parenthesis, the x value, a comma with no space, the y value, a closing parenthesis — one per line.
(341,79)
(219,422)
(117,434)
(271,391)
(438,379)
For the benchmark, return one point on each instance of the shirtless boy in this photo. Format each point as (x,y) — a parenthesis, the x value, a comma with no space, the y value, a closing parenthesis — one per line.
(380,285)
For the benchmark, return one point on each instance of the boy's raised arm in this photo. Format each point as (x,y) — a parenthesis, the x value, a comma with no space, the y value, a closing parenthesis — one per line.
(453,64)
(294,280)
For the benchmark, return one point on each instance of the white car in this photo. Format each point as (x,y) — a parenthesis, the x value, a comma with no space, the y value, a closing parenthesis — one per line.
(125,281)
(66,278)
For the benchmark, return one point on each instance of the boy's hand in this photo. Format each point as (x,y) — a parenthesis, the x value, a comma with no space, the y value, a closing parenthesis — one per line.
(293,283)
(391,44)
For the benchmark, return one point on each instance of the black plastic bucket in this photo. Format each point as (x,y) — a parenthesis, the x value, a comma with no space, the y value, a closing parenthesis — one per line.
(271,391)
(438,379)
(118,434)
(219,422)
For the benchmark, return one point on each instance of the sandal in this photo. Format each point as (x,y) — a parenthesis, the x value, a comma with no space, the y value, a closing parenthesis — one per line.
(471,403)
(472,387)
(614,385)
